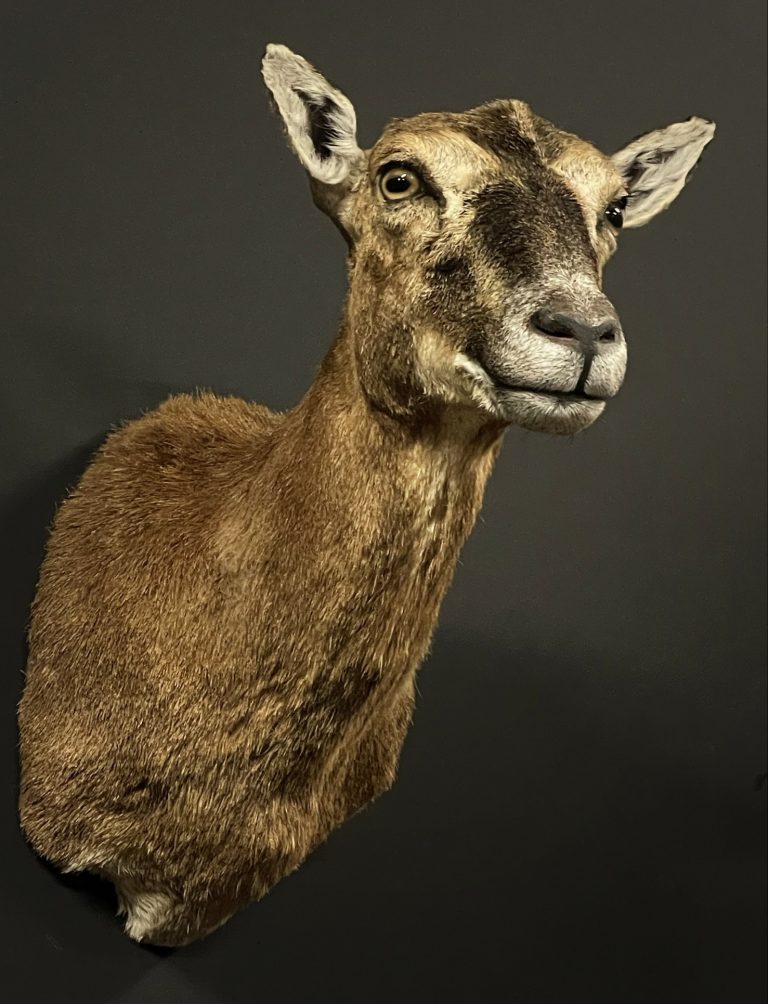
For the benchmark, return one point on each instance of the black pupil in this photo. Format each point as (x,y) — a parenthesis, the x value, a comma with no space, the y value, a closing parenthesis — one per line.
(398,183)
(615,215)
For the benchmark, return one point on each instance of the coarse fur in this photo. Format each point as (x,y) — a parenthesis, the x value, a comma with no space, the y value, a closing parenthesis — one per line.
(233,602)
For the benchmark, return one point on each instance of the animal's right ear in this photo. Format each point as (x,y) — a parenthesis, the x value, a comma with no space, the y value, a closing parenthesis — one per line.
(319,119)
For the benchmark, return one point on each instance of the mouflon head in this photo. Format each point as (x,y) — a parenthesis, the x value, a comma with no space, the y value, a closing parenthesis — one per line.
(477,242)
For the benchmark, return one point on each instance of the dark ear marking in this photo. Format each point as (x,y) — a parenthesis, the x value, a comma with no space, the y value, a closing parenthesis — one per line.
(318,118)
(656,165)
(321,130)
(639,166)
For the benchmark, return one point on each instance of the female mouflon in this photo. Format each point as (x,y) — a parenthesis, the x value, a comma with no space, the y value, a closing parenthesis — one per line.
(234,602)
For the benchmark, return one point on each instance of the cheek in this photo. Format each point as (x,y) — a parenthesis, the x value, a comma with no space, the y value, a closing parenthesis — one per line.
(450,294)
(605,252)
(374,263)
(460,305)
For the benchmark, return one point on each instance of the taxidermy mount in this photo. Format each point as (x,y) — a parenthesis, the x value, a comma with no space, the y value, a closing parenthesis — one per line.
(234,602)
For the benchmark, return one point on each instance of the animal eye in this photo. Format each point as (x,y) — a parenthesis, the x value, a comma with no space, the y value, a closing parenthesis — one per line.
(615,213)
(398,183)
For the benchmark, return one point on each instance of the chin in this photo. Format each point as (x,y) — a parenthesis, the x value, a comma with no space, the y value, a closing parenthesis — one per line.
(558,414)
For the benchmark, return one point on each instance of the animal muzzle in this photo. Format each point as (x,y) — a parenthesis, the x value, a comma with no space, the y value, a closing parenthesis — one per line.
(572,344)
(594,332)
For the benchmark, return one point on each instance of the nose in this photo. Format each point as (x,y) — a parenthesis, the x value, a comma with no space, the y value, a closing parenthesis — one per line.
(589,331)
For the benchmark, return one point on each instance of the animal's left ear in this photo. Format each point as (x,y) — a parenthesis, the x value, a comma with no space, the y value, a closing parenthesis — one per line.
(319,119)
(656,166)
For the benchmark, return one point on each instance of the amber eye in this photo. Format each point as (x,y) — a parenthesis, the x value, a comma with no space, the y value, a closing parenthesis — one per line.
(398,183)
(615,213)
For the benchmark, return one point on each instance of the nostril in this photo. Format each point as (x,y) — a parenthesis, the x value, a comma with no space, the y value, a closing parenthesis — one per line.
(556,325)
(607,332)
(579,328)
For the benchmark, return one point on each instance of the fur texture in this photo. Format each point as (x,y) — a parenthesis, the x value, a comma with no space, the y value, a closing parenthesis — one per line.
(233,602)
(319,120)
(657,165)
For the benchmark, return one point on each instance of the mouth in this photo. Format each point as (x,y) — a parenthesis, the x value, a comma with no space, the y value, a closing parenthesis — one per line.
(532,407)
(540,409)
(556,395)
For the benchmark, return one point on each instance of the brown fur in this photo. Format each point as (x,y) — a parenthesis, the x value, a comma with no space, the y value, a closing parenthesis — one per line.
(223,641)
(233,603)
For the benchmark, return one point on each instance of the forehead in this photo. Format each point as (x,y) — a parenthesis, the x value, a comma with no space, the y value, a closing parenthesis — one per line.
(502,140)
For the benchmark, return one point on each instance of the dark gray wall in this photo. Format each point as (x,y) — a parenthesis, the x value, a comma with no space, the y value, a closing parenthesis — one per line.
(576,817)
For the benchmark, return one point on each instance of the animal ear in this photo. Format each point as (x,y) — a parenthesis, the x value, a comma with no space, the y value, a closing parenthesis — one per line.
(656,166)
(319,119)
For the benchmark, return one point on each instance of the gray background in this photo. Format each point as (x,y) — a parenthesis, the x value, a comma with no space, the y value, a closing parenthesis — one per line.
(576,816)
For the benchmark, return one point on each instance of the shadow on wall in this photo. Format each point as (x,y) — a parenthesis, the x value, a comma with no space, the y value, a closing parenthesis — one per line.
(25,521)
(68,919)
(24,524)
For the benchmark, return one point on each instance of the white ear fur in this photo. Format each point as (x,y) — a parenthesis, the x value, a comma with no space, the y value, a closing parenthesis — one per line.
(319,119)
(656,166)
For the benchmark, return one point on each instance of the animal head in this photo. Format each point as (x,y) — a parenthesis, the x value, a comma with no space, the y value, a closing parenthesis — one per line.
(477,242)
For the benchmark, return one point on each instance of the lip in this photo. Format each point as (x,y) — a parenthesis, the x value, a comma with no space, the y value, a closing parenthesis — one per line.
(558,395)
(563,396)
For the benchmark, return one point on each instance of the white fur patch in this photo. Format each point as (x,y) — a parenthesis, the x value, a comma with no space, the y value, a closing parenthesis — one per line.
(296,86)
(452,376)
(657,165)
(145,911)
(478,384)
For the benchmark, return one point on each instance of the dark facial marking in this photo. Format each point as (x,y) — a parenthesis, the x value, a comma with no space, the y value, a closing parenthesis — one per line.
(448,265)
(497,128)
(526,226)
(537,220)
(453,299)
